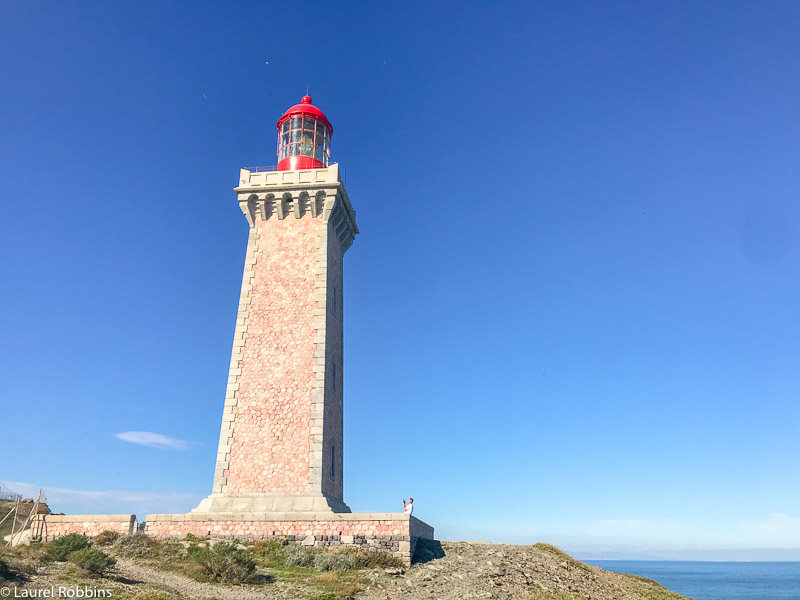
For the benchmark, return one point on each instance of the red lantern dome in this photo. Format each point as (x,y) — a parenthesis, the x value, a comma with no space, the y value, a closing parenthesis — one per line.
(304,138)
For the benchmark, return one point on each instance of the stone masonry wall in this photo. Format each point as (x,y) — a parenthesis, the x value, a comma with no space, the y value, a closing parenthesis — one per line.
(253,528)
(387,532)
(50,527)
(396,536)
(418,530)
(271,418)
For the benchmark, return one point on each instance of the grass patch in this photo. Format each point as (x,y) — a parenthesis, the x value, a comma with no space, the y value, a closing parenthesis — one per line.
(271,553)
(651,590)
(558,552)
(332,574)
(20,562)
(293,574)
(341,584)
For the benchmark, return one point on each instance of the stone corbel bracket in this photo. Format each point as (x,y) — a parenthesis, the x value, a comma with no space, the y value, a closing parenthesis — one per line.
(287,194)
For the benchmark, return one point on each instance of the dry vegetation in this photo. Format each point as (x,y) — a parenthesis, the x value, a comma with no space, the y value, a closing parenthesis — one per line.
(149,569)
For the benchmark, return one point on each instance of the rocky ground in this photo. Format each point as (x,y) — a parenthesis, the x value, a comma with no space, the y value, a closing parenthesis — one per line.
(447,571)
(482,571)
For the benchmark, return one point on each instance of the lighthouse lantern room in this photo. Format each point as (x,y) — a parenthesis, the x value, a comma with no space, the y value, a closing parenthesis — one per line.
(304,137)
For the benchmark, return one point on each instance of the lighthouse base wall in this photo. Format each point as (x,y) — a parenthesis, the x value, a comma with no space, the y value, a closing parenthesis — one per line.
(46,528)
(270,503)
(395,533)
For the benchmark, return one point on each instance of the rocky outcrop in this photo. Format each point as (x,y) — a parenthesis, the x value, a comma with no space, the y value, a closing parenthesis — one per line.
(482,571)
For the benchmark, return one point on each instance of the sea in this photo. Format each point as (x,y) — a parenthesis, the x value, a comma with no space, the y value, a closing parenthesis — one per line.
(717,580)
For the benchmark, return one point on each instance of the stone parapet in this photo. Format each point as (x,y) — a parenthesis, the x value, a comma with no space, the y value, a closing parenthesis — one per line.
(300,178)
(280,194)
(420,529)
(49,527)
(395,533)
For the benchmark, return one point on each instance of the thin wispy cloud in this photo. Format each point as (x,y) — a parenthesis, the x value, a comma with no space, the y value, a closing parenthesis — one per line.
(153,440)
(73,501)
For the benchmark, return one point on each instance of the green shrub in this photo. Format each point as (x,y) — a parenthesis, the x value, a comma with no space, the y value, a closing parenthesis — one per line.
(222,562)
(105,538)
(136,545)
(326,596)
(91,560)
(61,547)
(298,556)
(270,553)
(376,560)
(168,550)
(279,555)
(335,561)
(346,559)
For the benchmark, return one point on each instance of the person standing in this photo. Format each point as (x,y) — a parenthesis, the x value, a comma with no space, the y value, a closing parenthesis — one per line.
(408,508)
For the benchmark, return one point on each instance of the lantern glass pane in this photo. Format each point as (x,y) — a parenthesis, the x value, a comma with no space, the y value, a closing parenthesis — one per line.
(297,123)
(308,137)
(285,126)
(295,135)
(310,124)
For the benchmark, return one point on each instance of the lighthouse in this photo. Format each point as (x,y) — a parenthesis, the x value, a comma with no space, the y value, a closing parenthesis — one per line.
(279,469)
(281,441)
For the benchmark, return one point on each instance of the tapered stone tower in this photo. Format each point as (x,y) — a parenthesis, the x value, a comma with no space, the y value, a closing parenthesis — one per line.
(279,468)
(280,447)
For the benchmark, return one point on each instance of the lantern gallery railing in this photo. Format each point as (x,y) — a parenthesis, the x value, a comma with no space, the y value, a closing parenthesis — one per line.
(261,169)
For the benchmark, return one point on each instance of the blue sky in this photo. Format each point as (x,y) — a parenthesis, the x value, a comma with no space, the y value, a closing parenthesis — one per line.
(571,314)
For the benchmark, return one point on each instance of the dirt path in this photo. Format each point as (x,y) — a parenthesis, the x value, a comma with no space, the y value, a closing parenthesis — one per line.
(189,588)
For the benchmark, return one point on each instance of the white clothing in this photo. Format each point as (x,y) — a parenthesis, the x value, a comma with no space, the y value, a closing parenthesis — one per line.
(409,508)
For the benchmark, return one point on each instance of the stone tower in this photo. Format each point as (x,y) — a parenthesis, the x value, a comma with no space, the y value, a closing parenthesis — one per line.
(279,465)
(281,442)
(279,469)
